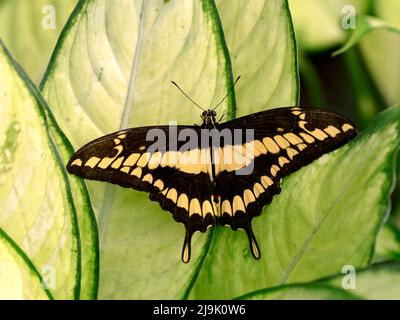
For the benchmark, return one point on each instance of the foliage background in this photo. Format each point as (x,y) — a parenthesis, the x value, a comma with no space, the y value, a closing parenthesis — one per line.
(360,82)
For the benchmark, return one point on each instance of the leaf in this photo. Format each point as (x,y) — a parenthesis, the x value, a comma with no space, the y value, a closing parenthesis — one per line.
(263,50)
(366,25)
(379,41)
(112,70)
(26,27)
(380,282)
(88,233)
(327,216)
(312,291)
(18,277)
(388,244)
(36,207)
(318,23)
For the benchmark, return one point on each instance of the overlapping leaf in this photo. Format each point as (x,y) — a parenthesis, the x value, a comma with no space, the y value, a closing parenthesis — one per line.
(36,209)
(18,277)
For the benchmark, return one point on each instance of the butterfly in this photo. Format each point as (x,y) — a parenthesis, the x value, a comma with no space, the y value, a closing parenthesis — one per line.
(216,179)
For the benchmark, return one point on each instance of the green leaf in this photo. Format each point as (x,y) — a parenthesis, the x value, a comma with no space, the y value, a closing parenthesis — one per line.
(388,244)
(380,282)
(26,27)
(36,205)
(312,291)
(110,69)
(263,51)
(18,277)
(88,233)
(318,23)
(366,25)
(327,216)
(379,41)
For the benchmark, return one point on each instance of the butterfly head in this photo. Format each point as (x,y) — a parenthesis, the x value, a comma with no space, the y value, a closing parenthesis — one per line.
(208,117)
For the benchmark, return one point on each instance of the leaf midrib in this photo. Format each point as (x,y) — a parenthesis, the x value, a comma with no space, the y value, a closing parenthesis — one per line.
(109,193)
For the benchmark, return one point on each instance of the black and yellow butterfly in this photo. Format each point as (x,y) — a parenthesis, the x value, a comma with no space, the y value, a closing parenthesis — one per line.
(208,190)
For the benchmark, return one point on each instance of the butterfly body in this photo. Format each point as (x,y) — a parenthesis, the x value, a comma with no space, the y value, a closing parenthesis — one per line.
(214,173)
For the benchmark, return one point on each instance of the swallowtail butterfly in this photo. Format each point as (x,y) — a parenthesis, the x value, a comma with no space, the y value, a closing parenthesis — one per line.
(198,185)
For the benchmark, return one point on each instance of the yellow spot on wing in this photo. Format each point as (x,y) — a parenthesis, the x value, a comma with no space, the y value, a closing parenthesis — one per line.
(126,169)
(155,160)
(226,207)
(143,160)
(307,138)
(194,207)
(137,172)
(274,170)
(122,136)
(207,208)
(248,197)
(183,201)
(332,131)
(317,133)
(117,163)
(258,189)
(291,153)
(170,159)
(266,181)
(92,162)
(293,138)
(148,178)
(76,162)
(347,127)
(271,145)
(105,162)
(301,146)
(282,161)
(281,141)
(172,195)
(131,160)
(259,146)
(238,204)
(159,184)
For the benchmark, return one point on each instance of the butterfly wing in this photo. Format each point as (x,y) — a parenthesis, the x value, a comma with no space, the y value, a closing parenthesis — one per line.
(285,139)
(179,180)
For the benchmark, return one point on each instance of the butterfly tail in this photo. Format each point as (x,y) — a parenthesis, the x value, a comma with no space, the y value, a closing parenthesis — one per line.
(255,250)
(186,250)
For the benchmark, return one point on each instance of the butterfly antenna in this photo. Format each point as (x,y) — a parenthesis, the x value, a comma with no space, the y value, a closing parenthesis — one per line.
(183,92)
(223,99)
